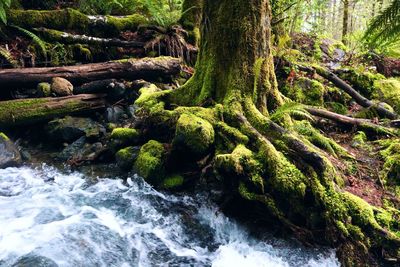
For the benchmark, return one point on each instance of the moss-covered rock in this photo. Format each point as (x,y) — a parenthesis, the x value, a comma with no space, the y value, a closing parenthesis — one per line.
(126,157)
(173,182)
(336,107)
(388,90)
(44,90)
(359,139)
(362,80)
(150,162)
(9,154)
(127,136)
(195,134)
(306,91)
(70,128)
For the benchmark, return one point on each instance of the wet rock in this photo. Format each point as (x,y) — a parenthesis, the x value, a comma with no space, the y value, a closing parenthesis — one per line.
(44,90)
(61,87)
(126,157)
(9,154)
(81,150)
(69,129)
(34,260)
(114,114)
(116,90)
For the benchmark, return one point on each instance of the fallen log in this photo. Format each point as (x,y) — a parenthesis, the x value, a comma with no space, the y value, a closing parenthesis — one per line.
(71,19)
(67,38)
(30,111)
(152,69)
(362,124)
(360,99)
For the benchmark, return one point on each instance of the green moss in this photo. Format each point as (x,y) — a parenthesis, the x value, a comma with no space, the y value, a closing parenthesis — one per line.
(28,111)
(388,90)
(194,133)
(306,91)
(336,107)
(44,89)
(125,135)
(126,157)
(305,129)
(71,19)
(4,137)
(359,139)
(173,182)
(363,81)
(150,162)
(242,162)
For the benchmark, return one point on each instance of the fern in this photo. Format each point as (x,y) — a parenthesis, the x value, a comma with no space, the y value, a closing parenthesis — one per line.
(385,28)
(292,109)
(5,54)
(36,39)
(4,5)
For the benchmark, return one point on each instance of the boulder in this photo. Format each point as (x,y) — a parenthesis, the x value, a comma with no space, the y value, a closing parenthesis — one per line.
(81,150)
(44,90)
(70,128)
(150,162)
(194,134)
(61,87)
(9,154)
(126,157)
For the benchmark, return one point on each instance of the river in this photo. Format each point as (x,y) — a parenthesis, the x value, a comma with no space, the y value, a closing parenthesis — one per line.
(54,218)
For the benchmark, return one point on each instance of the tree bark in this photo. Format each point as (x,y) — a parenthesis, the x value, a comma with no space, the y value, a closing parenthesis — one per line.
(131,69)
(30,111)
(346,16)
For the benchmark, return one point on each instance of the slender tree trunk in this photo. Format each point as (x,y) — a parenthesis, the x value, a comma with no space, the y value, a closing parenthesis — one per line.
(346,16)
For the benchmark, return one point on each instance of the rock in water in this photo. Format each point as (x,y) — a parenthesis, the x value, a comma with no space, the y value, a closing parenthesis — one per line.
(34,260)
(61,87)
(9,154)
(70,129)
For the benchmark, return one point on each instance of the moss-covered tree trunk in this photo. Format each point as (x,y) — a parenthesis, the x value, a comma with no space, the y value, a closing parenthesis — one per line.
(285,170)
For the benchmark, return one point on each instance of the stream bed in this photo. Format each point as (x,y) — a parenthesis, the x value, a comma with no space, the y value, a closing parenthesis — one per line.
(52,218)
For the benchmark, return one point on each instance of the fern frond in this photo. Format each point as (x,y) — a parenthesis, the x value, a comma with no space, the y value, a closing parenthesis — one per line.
(5,54)
(36,39)
(385,28)
(293,109)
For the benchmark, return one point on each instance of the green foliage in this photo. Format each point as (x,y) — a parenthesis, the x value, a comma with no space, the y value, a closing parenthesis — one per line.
(163,14)
(4,5)
(36,39)
(5,54)
(107,7)
(385,28)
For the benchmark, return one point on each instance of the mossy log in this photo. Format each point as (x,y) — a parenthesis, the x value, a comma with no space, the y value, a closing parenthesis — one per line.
(71,19)
(360,99)
(147,68)
(362,124)
(67,38)
(31,111)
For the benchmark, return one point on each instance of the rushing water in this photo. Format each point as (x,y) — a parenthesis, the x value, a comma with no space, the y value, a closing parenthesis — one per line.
(50,218)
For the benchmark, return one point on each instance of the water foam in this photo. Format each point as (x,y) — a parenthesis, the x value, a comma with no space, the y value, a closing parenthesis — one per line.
(50,216)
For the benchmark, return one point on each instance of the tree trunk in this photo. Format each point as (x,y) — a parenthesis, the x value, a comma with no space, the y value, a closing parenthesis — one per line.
(132,69)
(30,111)
(224,112)
(191,19)
(346,16)
(235,60)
